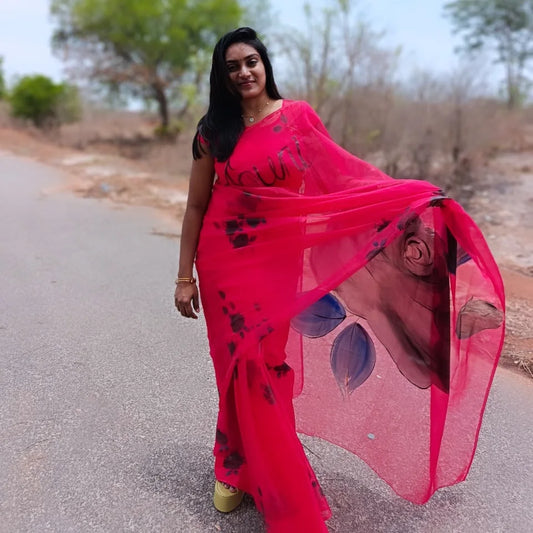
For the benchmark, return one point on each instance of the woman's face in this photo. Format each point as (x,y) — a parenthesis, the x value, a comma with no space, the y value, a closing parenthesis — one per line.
(246,70)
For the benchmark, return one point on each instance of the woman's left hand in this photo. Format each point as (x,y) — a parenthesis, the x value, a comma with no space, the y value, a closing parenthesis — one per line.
(187,300)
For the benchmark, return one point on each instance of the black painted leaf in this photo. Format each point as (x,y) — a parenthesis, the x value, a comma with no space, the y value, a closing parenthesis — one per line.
(268,394)
(232,227)
(237,322)
(221,438)
(320,317)
(353,357)
(382,225)
(281,370)
(233,461)
(242,240)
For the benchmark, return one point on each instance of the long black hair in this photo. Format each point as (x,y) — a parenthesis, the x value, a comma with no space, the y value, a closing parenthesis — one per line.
(222,125)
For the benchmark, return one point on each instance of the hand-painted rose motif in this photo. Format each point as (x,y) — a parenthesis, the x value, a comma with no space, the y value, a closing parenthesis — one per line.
(403,293)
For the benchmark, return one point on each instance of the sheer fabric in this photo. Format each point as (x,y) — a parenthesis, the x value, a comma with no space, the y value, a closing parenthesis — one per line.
(374,302)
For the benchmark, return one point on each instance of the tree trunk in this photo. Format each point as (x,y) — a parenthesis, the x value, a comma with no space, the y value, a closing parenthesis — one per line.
(513,85)
(162,102)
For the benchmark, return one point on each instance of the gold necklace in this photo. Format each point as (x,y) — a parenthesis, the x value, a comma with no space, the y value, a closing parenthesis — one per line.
(251,118)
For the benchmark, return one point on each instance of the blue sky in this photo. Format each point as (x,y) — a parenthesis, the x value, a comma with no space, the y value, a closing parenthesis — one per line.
(417,25)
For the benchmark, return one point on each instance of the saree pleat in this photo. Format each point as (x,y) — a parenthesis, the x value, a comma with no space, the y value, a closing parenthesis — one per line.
(374,302)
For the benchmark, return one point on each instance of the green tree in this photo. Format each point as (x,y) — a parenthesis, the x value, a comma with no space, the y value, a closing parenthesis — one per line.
(2,80)
(150,49)
(35,98)
(505,26)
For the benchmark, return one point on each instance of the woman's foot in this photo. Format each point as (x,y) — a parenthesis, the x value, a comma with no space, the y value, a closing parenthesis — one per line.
(226,498)
(231,488)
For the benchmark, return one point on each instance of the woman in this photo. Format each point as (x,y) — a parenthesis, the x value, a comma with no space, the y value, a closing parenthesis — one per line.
(295,237)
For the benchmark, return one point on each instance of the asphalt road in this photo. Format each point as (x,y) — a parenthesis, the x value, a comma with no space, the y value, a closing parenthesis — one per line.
(108,403)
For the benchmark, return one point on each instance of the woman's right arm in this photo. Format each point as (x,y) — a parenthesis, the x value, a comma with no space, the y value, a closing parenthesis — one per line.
(200,186)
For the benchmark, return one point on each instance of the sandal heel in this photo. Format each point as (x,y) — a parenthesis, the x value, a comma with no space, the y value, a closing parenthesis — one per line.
(224,500)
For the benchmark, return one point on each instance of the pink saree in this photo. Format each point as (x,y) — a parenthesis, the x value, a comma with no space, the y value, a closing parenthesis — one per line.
(375,303)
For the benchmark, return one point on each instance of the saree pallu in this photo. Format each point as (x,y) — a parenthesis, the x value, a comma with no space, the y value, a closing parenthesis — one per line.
(375,303)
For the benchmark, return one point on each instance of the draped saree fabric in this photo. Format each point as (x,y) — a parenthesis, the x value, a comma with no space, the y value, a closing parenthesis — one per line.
(374,302)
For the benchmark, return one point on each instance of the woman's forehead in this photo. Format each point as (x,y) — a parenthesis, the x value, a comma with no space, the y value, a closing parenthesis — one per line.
(239,51)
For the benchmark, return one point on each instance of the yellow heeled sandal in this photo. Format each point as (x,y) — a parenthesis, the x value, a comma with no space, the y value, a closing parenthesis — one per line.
(224,500)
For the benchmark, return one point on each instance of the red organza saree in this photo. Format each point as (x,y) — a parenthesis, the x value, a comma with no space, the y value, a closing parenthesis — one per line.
(374,302)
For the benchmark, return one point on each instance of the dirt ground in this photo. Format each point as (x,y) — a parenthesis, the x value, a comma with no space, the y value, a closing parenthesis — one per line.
(502,205)
(503,208)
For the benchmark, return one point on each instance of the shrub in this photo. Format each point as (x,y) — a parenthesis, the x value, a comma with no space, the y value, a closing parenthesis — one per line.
(44,102)
(2,79)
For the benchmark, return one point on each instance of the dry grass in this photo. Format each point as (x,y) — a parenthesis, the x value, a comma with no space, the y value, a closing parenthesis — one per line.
(5,119)
(525,363)
(433,140)
(406,138)
(519,332)
(131,135)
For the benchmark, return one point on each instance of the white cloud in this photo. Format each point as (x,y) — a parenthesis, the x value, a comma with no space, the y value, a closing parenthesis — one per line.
(25,33)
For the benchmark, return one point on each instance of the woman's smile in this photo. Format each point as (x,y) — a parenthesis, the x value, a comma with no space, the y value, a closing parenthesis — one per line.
(246,70)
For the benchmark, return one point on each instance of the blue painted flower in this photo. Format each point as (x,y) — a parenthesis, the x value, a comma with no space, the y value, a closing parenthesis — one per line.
(353,357)
(462,256)
(320,317)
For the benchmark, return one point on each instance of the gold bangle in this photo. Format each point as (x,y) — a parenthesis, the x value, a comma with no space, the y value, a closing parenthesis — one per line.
(184,280)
